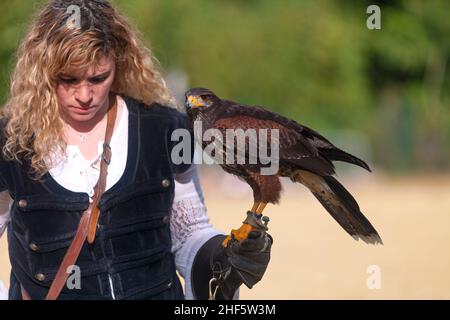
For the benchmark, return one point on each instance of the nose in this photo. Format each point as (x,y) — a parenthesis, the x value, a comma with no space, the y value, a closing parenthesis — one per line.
(84,95)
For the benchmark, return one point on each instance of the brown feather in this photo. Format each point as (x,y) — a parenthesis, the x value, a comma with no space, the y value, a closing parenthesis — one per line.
(294,149)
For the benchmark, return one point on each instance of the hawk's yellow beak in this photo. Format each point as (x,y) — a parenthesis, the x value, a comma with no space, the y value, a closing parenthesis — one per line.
(195,102)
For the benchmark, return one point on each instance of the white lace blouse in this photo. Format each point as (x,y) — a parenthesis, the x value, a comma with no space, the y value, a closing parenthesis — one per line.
(189,224)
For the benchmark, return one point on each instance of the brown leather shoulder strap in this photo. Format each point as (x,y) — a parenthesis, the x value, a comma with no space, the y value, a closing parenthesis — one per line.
(88,222)
(70,258)
(101,184)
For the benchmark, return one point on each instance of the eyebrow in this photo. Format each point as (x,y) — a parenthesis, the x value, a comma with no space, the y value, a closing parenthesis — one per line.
(100,75)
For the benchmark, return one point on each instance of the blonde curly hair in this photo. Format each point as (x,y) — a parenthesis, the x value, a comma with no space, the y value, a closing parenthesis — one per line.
(55,44)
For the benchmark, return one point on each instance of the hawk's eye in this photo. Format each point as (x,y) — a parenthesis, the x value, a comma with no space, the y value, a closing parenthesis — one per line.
(206,99)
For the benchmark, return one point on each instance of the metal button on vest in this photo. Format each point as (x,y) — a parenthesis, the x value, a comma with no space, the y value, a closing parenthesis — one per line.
(166,219)
(34,246)
(165,183)
(22,203)
(40,277)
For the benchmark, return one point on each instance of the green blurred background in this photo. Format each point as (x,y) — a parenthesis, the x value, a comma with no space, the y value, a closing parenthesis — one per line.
(314,61)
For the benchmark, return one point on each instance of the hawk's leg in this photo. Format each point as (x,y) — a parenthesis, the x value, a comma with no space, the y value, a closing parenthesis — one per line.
(253,222)
(261,207)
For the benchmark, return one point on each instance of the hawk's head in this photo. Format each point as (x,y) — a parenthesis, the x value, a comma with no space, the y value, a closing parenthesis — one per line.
(200,98)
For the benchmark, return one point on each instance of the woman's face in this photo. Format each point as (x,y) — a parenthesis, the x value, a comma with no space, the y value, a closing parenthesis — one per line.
(83,98)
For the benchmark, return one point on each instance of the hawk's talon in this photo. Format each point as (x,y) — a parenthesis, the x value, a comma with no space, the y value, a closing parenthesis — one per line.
(226,241)
(254,221)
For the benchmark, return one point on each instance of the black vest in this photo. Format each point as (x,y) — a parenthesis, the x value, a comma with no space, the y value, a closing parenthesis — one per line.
(131,254)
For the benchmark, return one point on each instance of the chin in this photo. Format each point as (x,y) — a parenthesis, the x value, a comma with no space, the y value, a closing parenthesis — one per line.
(82,117)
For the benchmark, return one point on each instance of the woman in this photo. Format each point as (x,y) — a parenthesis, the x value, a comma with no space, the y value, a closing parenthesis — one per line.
(76,79)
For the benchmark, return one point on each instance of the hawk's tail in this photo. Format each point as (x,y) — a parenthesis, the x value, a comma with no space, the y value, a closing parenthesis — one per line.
(340,204)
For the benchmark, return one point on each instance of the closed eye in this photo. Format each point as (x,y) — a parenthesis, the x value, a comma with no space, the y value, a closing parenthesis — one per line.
(68,80)
(97,80)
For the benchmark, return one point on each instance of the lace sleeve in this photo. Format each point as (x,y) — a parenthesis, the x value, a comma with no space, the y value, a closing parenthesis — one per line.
(5,206)
(189,224)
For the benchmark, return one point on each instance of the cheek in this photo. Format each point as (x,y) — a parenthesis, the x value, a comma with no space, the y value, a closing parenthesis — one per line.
(62,94)
(104,87)
(102,90)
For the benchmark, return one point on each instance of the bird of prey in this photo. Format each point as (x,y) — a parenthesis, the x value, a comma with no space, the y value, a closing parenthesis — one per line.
(305,156)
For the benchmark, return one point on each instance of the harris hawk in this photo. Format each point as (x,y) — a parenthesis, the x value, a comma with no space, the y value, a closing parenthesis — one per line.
(305,156)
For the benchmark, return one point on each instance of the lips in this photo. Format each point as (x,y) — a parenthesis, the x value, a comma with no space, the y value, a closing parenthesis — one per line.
(82,110)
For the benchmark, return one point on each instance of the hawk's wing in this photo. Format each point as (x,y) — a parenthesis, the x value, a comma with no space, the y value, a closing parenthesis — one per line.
(294,149)
(325,148)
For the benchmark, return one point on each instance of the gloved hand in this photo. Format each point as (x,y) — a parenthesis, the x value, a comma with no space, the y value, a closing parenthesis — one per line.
(241,262)
(248,259)
(231,266)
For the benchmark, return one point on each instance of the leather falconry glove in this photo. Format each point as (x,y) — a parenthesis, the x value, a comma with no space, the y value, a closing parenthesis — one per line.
(219,271)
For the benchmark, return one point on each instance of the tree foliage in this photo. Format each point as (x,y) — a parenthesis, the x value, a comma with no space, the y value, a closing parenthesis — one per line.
(314,61)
